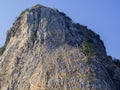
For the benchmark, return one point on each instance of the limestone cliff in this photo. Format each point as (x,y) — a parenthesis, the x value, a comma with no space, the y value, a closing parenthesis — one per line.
(45,50)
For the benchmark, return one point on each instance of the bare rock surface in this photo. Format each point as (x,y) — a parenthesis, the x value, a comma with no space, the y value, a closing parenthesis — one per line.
(45,50)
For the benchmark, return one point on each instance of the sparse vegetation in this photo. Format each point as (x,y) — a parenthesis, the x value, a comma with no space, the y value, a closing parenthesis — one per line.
(97,36)
(10,33)
(116,62)
(77,25)
(65,16)
(86,49)
(36,6)
(89,41)
(2,49)
(33,35)
(23,12)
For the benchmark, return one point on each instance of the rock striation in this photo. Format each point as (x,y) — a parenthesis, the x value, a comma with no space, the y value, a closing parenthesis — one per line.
(45,50)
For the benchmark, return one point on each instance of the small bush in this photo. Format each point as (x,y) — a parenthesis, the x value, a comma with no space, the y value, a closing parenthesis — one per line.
(23,12)
(77,25)
(89,41)
(2,49)
(65,16)
(36,6)
(62,13)
(97,36)
(117,62)
(11,32)
(87,58)
(86,49)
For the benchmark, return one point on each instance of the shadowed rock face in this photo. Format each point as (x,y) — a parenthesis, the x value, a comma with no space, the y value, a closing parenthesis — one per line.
(45,50)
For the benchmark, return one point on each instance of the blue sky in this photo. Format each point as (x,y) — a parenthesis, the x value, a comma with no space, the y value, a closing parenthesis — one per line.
(102,16)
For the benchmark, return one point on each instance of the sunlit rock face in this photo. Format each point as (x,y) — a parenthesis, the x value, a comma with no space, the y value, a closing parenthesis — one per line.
(45,50)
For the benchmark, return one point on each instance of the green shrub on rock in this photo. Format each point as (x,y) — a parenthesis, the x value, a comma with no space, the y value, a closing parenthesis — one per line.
(2,49)
(87,50)
(117,62)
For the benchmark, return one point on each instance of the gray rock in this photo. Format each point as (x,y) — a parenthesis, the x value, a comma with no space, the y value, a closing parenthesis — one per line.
(45,50)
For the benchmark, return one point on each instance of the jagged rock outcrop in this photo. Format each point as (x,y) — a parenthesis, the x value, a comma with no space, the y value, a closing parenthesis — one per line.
(45,50)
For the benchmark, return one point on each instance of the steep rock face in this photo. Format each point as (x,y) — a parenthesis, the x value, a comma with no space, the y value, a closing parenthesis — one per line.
(45,50)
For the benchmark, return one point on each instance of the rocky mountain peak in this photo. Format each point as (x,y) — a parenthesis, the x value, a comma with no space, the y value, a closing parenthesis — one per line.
(45,49)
